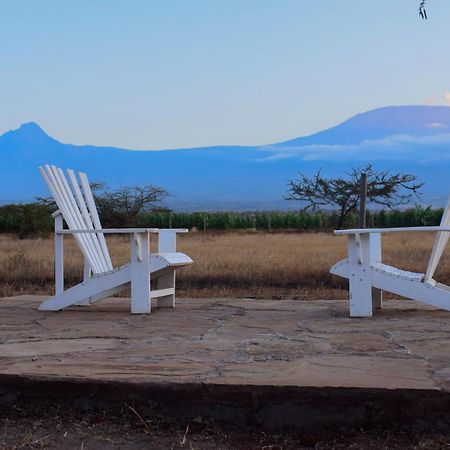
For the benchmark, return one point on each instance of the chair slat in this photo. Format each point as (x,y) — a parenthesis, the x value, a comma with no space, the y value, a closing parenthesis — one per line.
(76,203)
(86,188)
(76,215)
(75,218)
(439,244)
(52,185)
(104,262)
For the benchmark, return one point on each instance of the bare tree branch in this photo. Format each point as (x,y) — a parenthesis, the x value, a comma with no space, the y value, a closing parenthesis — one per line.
(383,188)
(123,206)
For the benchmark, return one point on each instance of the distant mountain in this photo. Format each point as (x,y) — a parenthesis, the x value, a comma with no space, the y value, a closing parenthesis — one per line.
(381,123)
(413,139)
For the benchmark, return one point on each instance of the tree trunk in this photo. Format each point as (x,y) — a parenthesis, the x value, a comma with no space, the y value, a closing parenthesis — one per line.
(362,200)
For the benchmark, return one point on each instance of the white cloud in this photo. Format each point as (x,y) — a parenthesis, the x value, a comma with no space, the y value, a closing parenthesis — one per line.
(400,147)
(435,125)
(447,98)
(430,101)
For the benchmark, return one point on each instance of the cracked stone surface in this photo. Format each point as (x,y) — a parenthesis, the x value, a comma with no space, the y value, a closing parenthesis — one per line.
(230,341)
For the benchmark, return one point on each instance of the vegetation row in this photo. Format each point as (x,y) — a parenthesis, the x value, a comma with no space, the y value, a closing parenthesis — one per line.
(35,219)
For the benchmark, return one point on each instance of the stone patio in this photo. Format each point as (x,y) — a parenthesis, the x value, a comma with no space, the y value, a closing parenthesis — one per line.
(237,343)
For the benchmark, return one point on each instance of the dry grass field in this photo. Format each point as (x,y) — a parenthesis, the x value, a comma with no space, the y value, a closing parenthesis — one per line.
(234,264)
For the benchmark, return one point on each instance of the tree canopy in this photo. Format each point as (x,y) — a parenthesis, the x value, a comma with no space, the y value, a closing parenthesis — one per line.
(383,188)
(121,207)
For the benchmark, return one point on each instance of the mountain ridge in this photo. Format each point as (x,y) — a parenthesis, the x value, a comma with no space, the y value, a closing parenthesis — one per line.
(409,115)
(414,139)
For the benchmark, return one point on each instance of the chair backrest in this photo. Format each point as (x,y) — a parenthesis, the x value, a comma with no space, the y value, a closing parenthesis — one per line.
(76,204)
(439,244)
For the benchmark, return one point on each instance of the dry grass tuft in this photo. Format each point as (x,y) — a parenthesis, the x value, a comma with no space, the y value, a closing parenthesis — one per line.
(235,264)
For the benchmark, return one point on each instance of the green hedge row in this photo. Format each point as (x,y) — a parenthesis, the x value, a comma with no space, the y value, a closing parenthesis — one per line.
(26,219)
(35,218)
(276,220)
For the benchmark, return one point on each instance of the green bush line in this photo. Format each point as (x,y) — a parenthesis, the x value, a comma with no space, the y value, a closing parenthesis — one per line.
(35,219)
(300,220)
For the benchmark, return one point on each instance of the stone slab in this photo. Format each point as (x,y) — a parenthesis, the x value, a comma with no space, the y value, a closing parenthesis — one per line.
(230,341)
(258,355)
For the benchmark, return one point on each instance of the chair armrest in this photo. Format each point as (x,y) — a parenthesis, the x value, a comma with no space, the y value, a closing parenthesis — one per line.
(124,231)
(173,230)
(390,230)
(111,231)
(167,237)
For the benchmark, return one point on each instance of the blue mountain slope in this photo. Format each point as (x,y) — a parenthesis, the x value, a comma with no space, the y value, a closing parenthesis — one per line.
(415,139)
(381,123)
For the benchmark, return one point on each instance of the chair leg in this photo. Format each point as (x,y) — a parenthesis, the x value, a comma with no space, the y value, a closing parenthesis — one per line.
(360,276)
(140,274)
(86,276)
(375,255)
(164,282)
(377,298)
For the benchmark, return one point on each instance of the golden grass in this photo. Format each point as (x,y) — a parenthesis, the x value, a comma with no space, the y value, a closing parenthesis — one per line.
(238,264)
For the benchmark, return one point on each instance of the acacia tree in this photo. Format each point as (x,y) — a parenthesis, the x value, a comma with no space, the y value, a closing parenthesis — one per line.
(123,206)
(383,188)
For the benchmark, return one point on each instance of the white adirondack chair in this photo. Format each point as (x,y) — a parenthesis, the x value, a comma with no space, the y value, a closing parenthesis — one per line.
(368,276)
(77,208)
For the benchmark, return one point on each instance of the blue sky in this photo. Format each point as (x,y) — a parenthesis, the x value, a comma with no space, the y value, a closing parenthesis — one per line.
(180,73)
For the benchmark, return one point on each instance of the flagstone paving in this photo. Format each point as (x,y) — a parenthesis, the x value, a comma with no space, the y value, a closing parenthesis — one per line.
(230,342)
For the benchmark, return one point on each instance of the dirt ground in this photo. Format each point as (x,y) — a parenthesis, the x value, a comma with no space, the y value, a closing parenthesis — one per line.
(55,429)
